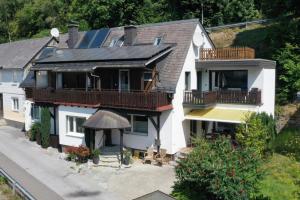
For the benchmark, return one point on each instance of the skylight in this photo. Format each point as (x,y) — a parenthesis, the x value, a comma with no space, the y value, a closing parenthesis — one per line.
(157,41)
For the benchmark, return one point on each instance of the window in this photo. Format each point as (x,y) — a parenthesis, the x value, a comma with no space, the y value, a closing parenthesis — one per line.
(139,125)
(113,42)
(187,80)
(117,42)
(35,112)
(157,41)
(147,76)
(74,124)
(15,104)
(229,79)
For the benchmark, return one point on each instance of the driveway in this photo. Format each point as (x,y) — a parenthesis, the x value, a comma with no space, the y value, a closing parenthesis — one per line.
(84,182)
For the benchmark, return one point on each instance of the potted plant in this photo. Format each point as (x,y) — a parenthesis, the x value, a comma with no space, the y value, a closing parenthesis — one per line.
(127,157)
(96,154)
(82,153)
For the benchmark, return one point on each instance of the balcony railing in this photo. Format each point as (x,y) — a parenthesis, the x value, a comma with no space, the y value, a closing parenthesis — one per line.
(227,53)
(108,98)
(207,98)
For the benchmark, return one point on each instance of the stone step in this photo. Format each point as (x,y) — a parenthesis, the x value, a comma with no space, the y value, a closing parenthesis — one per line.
(109,160)
(108,164)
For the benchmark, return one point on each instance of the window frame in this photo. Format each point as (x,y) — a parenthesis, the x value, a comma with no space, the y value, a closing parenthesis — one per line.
(33,116)
(17,103)
(150,76)
(131,131)
(75,126)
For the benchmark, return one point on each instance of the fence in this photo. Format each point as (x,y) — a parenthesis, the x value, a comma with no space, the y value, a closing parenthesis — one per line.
(16,187)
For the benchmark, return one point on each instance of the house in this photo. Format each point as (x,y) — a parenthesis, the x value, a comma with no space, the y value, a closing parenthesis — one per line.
(167,79)
(15,62)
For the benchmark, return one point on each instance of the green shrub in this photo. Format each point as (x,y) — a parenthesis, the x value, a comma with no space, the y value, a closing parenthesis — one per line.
(256,133)
(34,130)
(45,127)
(217,170)
(288,143)
(2,180)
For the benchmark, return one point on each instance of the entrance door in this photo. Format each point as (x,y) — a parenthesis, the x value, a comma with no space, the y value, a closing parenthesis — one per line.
(107,136)
(1,105)
(124,80)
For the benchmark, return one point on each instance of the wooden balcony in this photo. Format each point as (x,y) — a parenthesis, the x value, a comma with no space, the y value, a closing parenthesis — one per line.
(208,98)
(139,100)
(227,53)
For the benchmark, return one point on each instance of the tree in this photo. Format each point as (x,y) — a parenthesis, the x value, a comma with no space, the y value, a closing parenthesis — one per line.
(254,134)
(289,78)
(45,127)
(217,12)
(217,170)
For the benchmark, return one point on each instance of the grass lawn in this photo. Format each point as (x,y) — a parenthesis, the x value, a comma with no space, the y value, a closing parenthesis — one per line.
(282,180)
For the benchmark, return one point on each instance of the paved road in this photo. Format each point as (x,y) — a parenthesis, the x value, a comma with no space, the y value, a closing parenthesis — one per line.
(37,189)
(53,173)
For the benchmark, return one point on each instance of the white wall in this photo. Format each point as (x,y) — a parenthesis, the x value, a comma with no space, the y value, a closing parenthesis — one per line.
(9,87)
(180,126)
(268,91)
(142,142)
(63,112)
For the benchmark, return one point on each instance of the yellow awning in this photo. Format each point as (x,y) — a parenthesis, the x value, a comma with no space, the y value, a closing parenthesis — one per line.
(218,115)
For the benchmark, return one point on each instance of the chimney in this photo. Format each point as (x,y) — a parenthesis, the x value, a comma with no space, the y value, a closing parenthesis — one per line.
(130,33)
(73,34)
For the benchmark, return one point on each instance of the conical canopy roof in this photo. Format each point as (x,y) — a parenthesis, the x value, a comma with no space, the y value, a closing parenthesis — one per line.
(106,119)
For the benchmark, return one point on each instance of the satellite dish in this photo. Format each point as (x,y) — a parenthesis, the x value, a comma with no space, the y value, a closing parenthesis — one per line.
(54,32)
(197,40)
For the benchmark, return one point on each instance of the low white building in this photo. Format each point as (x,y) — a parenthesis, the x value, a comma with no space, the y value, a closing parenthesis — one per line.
(167,79)
(15,62)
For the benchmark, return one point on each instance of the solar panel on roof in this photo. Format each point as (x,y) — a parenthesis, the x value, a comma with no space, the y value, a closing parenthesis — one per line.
(93,38)
(87,38)
(100,37)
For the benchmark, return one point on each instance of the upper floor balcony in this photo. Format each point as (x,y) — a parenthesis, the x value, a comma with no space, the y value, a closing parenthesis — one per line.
(110,88)
(205,99)
(139,100)
(232,53)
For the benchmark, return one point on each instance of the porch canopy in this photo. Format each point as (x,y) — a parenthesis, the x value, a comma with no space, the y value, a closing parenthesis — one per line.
(218,115)
(107,119)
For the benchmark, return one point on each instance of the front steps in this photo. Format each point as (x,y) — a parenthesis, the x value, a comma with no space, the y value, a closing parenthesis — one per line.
(110,157)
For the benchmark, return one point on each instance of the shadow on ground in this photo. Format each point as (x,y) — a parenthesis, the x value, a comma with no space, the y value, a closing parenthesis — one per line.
(81,193)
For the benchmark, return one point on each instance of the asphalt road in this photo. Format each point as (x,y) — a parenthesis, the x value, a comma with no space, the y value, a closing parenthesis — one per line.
(36,188)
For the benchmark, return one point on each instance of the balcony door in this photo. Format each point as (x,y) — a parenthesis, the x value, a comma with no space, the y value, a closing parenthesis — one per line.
(124,80)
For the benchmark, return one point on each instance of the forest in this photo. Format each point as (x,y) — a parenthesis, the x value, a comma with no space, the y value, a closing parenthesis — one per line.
(20,19)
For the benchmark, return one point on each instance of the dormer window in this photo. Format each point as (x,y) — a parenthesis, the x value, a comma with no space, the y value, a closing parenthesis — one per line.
(113,42)
(117,42)
(157,41)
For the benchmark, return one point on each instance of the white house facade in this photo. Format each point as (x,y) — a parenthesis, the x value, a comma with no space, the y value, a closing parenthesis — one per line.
(167,79)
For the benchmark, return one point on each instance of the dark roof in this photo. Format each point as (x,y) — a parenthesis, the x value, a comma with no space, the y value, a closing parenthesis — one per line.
(16,55)
(177,32)
(257,62)
(141,52)
(156,195)
(106,119)
(28,81)
(88,66)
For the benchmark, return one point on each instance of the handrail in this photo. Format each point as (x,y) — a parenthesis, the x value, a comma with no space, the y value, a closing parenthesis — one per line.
(107,98)
(16,186)
(227,53)
(195,97)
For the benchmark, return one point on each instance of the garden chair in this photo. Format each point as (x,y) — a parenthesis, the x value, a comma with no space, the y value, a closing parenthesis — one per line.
(149,155)
(160,158)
